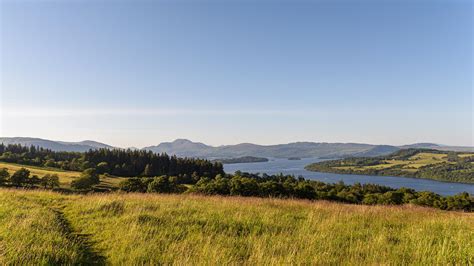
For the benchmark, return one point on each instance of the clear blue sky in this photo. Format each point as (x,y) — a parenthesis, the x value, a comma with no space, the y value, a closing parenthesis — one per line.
(135,73)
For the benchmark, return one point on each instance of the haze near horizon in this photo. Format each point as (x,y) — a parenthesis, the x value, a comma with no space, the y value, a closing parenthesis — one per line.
(267,72)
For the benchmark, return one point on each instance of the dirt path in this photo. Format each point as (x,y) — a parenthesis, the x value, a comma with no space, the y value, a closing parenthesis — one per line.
(88,255)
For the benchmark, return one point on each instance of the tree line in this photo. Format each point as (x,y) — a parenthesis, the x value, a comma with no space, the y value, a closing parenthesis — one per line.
(287,186)
(117,162)
(23,178)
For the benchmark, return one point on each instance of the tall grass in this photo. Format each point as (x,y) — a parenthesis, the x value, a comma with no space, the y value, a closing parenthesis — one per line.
(187,229)
(33,231)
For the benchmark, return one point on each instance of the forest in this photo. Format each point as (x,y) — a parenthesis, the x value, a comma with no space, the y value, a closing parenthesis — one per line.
(244,159)
(117,162)
(288,186)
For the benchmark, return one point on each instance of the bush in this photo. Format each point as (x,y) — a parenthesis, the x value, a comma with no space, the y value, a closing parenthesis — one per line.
(91,173)
(82,183)
(461,201)
(160,184)
(88,178)
(20,177)
(4,176)
(133,184)
(244,187)
(50,163)
(50,181)
(164,184)
(371,199)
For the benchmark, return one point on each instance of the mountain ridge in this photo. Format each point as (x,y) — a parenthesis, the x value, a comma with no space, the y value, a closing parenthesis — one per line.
(304,149)
(80,146)
(187,148)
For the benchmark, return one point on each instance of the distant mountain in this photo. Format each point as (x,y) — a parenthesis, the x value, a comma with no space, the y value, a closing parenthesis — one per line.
(420,146)
(182,148)
(438,147)
(376,151)
(187,148)
(90,143)
(56,145)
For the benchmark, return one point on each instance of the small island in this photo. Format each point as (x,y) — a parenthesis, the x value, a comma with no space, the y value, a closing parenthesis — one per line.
(416,163)
(244,159)
(294,158)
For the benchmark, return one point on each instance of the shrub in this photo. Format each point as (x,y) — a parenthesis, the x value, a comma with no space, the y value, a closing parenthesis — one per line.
(82,183)
(161,184)
(4,175)
(133,184)
(88,178)
(20,177)
(91,173)
(50,181)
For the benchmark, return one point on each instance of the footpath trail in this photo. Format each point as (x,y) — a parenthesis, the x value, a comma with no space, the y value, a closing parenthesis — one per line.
(34,229)
(88,255)
(49,228)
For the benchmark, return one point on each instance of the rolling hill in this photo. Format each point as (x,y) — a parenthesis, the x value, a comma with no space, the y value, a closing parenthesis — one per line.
(416,163)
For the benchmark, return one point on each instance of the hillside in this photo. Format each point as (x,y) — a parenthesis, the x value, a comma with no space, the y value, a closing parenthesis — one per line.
(107,182)
(187,148)
(49,228)
(417,163)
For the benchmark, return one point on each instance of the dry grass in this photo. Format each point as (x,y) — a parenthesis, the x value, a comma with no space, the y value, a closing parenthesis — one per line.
(410,165)
(186,229)
(65,177)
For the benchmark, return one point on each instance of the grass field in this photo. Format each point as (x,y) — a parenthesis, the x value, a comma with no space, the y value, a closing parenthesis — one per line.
(409,165)
(65,177)
(415,163)
(48,228)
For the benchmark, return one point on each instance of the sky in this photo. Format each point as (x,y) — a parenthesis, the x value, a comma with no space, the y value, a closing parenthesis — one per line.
(137,73)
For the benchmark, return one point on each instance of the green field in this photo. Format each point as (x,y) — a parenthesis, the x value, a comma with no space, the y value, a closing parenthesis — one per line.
(65,177)
(39,227)
(438,165)
(414,162)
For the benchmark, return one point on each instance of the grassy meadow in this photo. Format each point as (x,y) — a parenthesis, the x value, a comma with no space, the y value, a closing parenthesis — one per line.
(65,177)
(410,164)
(41,227)
(416,163)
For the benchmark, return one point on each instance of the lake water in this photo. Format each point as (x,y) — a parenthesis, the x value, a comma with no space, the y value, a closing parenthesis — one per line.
(296,167)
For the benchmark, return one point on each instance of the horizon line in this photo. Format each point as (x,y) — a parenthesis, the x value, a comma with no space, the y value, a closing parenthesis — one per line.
(221,145)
